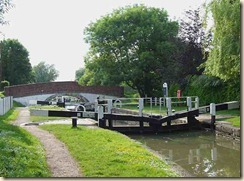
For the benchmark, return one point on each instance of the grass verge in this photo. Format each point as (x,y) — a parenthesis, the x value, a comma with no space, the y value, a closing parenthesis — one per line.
(45,118)
(21,154)
(104,153)
(47,107)
(235,120)
(232,112)
(155,109)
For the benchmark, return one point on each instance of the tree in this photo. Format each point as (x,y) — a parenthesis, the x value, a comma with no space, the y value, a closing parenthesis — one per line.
(194,39)
(5,5)
(79,73)
(44,73)
(16,67)
(224,56)
(134,45)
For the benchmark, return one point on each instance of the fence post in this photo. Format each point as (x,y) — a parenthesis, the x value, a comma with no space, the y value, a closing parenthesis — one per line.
(160,104)
(196,102)
(188,102)
(110,105)
(168,104)
(213,114)
(96,105)
(141,105)
(155,101)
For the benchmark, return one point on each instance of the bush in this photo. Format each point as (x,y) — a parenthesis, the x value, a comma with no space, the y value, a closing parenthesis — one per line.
(212,89)
(3,84)
(173,89)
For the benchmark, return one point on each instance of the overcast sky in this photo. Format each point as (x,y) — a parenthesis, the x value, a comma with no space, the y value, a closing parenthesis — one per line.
(52,30)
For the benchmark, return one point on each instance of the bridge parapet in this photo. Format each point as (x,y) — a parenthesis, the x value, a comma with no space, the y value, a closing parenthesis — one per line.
(61,87)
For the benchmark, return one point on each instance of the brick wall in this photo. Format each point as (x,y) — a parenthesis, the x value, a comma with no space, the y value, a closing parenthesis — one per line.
(61,87)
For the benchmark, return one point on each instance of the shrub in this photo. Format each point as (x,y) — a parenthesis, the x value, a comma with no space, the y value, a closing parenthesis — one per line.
(3,84)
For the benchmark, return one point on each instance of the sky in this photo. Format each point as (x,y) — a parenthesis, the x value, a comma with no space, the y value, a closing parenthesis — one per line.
(52,30)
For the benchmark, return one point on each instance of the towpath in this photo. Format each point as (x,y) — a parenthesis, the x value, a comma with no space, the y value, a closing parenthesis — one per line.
(58,157)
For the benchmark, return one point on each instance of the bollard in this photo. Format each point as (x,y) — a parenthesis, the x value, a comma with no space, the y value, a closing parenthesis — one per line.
(100,115)
(188,102)
(168,105)
(213,114)
(74,122)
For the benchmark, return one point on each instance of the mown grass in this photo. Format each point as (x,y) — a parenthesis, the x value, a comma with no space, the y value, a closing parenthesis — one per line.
(104,153)
(45,118)
(232,112)
(155,109)
(21,154)
(235,121)
(47,107)
(18,104)
(235,113)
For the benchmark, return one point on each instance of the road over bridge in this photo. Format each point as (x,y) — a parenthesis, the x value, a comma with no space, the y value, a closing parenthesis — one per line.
(43,91)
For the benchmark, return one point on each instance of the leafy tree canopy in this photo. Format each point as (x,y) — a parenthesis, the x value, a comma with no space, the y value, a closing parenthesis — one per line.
(44,73)
(224,57)
(134,45)
(79,73)
(193,36)
(16,67)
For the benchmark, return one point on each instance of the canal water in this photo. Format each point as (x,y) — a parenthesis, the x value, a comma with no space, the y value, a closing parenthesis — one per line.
(200,153)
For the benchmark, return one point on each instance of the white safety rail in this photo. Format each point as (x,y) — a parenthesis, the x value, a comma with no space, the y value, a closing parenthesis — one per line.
(6,104)
(138,104)
(125,103)
(182,101)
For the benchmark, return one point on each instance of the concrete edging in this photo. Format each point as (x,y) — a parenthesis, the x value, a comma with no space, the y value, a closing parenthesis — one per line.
(228,130)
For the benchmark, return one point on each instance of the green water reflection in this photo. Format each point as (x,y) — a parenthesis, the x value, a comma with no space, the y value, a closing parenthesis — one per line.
(202,154)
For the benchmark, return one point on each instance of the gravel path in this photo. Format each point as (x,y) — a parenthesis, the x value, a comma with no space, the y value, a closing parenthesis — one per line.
(58,157)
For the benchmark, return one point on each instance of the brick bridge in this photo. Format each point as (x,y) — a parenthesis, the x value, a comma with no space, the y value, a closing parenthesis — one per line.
(42,91)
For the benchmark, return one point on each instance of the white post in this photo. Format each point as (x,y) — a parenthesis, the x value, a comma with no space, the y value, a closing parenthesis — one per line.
(165,89)
(196,103)
(212,109)
(96,105)
(188,101)
(212,113)
(100,114)
(155,100)
(168,104)
(160,104)
(110,105)
(141,105)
